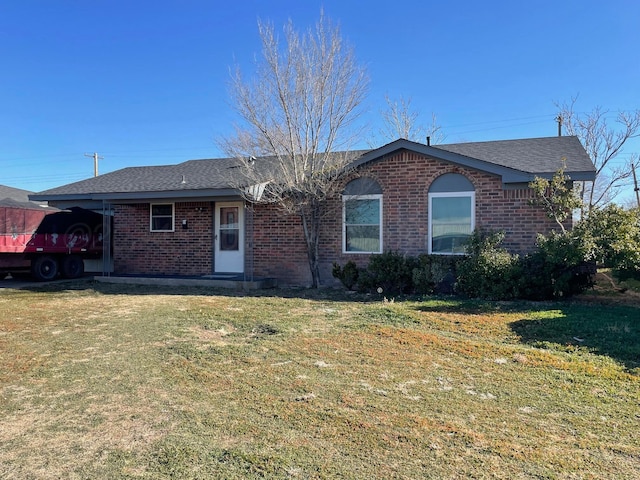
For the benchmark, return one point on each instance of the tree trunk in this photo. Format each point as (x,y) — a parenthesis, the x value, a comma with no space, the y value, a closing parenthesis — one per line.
(314,265)
(311,224)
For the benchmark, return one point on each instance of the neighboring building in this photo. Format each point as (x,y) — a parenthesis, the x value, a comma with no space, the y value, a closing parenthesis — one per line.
(186,219)
(15,195)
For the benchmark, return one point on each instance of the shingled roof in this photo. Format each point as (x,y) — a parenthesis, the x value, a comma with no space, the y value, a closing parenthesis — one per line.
(17,198)
(208,174)
(513,160)
(16,194)
(531,155)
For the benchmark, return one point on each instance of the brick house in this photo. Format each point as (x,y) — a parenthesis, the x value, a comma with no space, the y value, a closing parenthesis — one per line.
(187,220)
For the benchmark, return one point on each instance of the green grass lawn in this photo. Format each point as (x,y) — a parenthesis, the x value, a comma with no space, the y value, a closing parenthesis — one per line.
(106,382)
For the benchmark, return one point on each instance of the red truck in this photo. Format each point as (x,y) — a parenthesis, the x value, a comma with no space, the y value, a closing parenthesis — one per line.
(47,242)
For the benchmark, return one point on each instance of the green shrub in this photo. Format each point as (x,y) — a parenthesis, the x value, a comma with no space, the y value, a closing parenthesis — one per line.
(488,271)
(561,266)
(435,274)
(348,274)
(624,274)
(390,273)
(614,235)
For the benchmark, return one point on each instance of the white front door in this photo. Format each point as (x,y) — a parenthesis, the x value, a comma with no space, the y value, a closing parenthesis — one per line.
(229,237)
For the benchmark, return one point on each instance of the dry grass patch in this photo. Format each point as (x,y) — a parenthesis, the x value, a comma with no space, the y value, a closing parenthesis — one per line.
(114,382)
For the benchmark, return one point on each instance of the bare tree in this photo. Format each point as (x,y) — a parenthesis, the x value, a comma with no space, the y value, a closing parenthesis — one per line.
(400,121)
(603,143)
(296,113)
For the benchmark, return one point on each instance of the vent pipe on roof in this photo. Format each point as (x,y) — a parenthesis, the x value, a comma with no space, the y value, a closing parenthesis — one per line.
(559,120)
(428,141)
(184,180)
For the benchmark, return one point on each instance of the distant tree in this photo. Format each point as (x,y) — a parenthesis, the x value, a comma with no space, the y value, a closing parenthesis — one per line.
(614,234)
(298,109)
(556,196)
(603,143)
(401,121)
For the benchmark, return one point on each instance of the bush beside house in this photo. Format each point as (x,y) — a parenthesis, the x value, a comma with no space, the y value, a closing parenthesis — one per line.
(560,267)
(613,234)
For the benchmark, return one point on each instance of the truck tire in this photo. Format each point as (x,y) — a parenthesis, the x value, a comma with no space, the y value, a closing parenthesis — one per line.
(72,266)
(44,268)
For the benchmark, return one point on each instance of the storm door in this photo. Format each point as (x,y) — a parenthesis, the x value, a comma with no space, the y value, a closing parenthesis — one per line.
(229,238)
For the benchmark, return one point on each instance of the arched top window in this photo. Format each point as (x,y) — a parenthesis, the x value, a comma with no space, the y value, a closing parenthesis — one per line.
(362,216)
(451,214)
(451,182)
(363,186)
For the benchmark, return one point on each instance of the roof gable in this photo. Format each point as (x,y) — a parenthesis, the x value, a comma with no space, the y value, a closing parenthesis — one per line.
(515,161)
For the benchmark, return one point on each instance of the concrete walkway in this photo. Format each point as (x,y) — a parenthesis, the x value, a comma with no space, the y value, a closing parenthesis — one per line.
(235,282)
(222,281)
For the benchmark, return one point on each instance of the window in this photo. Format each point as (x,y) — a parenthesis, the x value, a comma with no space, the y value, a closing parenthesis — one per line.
(451,214)
(362,217)
(229,229)
(162,217)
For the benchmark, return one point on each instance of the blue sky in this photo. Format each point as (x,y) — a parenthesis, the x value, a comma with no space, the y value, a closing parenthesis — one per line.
(145,82)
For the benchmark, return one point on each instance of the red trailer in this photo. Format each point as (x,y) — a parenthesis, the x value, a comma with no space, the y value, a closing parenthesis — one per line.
(48,242)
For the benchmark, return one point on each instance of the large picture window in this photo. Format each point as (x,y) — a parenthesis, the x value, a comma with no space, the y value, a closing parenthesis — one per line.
(451,214)
(162,217)
(362,224)
(362,217)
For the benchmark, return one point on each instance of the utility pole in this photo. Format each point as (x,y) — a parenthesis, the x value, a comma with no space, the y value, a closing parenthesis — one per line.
(559,120)
(95,162)
(635,184)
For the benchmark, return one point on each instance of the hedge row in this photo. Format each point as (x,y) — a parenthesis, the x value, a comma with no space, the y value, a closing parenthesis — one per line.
(560,267)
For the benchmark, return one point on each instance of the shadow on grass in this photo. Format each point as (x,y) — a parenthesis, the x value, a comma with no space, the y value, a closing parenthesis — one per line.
(104,288)
(608,330)
(472,307)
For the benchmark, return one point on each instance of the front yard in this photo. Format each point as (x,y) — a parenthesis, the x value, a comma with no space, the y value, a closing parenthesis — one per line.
(106,381)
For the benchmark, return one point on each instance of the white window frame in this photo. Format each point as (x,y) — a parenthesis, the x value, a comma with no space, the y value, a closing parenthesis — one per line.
(173,217)
(345,199)
(470,194)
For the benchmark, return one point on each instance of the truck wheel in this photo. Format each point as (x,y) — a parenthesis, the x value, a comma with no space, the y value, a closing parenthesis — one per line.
(72,266)
(44,268)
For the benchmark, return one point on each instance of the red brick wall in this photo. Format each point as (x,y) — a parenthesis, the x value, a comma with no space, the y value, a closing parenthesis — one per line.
(137,250)
(278,248)
(405,179)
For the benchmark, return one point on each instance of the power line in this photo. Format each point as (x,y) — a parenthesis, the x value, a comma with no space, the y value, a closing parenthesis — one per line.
(44,177)
(497,128)
(128,153)
(547,116)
